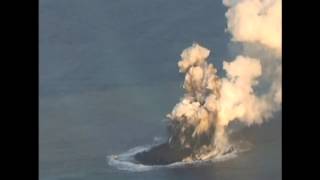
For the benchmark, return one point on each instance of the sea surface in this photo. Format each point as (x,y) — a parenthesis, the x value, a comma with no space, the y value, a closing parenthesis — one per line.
(108,76)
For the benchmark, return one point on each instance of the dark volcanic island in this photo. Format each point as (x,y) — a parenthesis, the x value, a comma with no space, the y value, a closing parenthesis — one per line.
(161,155)
(173,150)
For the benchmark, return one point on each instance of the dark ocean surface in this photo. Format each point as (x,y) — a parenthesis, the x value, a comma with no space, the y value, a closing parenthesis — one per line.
(108,76)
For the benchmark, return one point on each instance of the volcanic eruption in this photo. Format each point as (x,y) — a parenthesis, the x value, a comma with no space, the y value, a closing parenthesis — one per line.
(197,124)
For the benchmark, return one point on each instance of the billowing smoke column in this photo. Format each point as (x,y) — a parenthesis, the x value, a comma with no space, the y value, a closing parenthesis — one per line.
(256,21)
(210,103)
(260,22)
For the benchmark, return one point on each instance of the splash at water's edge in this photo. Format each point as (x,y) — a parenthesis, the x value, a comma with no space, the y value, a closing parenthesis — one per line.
(125,161)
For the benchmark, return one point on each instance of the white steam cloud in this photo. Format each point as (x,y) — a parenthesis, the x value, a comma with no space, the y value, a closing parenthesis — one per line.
(210,102)
(256,21)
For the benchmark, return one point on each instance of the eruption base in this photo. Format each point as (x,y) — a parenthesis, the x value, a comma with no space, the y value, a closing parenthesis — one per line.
(165,154)
(162,154)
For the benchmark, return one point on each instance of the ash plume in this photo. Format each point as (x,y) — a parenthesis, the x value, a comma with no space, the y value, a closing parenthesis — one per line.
(210,102)
(256,21)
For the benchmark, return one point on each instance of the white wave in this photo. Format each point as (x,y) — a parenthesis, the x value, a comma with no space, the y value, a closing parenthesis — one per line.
(125,161)
(128,165)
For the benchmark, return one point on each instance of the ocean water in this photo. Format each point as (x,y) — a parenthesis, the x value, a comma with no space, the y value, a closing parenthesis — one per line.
(108,76)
